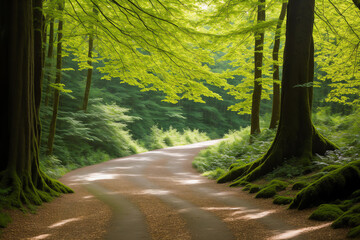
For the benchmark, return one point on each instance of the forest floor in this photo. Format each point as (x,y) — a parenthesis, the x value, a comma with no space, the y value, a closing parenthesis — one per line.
(158,195)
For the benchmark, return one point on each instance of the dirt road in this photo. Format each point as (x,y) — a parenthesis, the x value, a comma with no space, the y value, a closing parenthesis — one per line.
(157,195)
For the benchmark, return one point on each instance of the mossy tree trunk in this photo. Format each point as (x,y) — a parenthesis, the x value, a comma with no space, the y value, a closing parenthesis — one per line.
(258,55)
(296,136)
(275,115)
(21,180)
(56,100)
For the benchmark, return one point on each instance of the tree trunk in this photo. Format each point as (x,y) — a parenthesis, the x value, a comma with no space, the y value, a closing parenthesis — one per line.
(258,55)
(50,54)
(89,73)
(357,3)
(51,137)
(275,115)
(21,47)
(296,137)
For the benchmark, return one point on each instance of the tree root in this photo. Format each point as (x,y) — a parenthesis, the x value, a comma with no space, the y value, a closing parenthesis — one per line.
(24,193)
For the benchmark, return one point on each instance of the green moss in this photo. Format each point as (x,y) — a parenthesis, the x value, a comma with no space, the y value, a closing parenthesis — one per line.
(326,212)
(247,187)
(355,194)
(4,219)
(330,168)
(299,185)
(282,200)
(350,218)
(254,188)
(267,192)
(279,185)
(354,232)
(336,184)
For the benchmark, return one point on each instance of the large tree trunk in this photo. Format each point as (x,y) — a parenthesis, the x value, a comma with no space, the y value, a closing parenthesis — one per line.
(20,136)
(51,136)
(275,115)
(296,137)
(258,55)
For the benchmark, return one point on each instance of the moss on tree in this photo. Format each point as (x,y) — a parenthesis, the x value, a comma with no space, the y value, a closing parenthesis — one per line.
(22,183)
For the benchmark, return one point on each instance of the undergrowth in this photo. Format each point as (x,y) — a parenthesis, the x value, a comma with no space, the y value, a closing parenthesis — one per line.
(237,149)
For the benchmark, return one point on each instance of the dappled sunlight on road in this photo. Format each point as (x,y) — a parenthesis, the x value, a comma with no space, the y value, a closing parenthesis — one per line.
(63,222)
(158,192)
(94,177)
(255,215)
(294,233)
(246,213)
(39,237)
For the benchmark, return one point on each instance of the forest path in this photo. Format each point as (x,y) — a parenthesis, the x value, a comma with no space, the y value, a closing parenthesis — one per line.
(158,195)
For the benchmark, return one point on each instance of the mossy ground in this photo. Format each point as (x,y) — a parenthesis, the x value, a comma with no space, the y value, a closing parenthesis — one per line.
(282,200)
(326,212)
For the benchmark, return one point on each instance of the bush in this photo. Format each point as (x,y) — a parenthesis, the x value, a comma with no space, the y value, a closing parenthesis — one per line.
(234,150)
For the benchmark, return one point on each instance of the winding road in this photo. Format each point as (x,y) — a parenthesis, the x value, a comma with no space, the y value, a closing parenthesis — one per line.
(158,195)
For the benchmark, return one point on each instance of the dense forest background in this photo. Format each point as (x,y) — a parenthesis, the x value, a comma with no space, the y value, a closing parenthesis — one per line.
(122,119)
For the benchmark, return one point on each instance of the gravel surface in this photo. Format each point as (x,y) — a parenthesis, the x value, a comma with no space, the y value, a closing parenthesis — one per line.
(157,195)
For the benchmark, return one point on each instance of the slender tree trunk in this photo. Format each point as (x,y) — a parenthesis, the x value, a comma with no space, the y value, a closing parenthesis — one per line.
(259,46)
(90,69)
(21,48)
(56,100)
(89,73)
(296,137)
(275,115)
(50,54)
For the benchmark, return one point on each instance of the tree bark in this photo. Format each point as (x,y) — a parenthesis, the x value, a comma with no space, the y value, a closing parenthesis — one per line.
(90,69)
(50,54)
(275,115)
(296,137)
(258,55)
(357,3)
(21,46)
(56,99)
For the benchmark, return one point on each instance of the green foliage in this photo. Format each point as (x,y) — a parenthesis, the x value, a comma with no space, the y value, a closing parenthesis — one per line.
(4,219)
(235,150)
(326,212)
(87,138)
(282,200)
(160,138)
(354,232)
(52,166)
